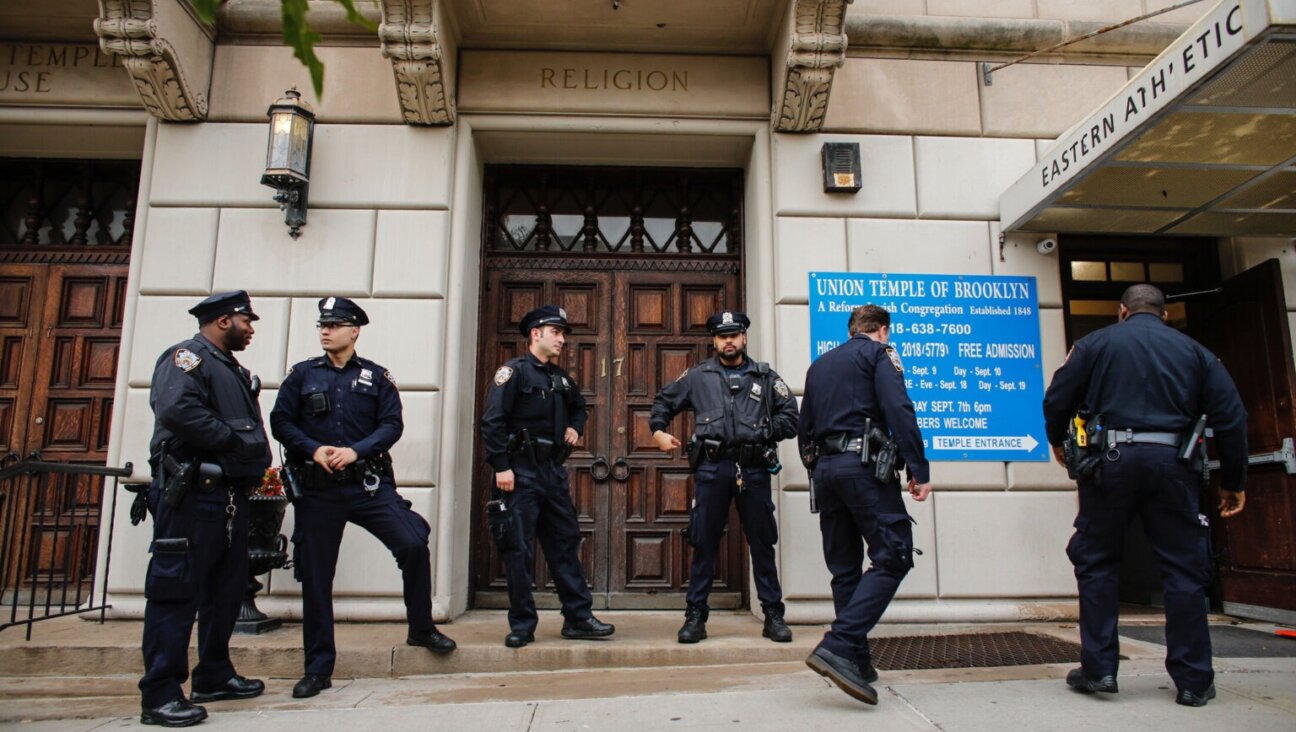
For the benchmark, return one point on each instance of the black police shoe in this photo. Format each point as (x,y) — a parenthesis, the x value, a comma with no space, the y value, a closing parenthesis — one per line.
(236,688)
(587,629)
(519,638)
(694,628)
(1085,684)
(310,685)
(1193,699)
(843,672)
(433,640)
(177,713)
(867,671)
(775,629)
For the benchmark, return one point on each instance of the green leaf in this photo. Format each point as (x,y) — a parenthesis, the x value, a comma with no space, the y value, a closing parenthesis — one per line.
(354,16)
(206,9)
(298,35)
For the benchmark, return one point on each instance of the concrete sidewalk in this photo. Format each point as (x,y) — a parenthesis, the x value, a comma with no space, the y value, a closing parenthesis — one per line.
(632,686)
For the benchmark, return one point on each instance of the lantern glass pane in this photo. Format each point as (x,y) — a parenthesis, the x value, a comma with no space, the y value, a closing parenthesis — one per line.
(300,146)
(280,137)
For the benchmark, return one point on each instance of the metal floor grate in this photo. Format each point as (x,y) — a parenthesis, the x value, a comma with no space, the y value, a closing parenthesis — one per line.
(971,650)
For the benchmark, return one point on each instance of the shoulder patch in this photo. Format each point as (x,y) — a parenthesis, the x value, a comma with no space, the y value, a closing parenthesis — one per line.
(895,359)
(186,360)
(503,375)
(387,375)
(781,388)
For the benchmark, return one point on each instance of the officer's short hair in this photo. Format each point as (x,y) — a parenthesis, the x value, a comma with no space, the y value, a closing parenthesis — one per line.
(1144,299)
(868,319)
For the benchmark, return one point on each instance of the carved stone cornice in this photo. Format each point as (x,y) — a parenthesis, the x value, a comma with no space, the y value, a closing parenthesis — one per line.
(153,36)
(409,38)
(817,48)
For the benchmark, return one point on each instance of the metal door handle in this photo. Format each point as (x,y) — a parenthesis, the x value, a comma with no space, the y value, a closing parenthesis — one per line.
(620,470)
(1285,455)
(599,469)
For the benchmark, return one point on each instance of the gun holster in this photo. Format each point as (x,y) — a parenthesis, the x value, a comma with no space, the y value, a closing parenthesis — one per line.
(291,482)
(694,455)
(179,480)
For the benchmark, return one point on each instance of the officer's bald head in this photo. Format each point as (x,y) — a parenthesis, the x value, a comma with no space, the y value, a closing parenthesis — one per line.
(1144,299)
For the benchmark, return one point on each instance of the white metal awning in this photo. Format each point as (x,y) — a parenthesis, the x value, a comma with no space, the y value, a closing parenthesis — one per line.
(1201,142)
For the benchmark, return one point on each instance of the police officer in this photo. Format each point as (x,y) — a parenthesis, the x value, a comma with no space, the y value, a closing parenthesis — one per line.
(1147,384)
(855,416)
(208,448)
(534,414)
(741,409)
(337,416)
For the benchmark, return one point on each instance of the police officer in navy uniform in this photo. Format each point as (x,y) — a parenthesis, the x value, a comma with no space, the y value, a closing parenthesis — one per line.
(1147,384)
(741,409)
(208,448)
(534,414)
(855,400)
(337,415)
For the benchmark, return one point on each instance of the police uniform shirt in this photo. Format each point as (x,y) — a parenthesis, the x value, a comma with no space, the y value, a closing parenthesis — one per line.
(1143,375)
(858,380)
(204,408)
(527,394)
(761,410)
(364,408)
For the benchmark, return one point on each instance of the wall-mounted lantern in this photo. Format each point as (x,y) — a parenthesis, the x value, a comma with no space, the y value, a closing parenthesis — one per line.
(841,167)
(288,157)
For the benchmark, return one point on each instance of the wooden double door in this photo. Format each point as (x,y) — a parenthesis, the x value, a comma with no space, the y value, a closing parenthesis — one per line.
(633,331)
(60,330)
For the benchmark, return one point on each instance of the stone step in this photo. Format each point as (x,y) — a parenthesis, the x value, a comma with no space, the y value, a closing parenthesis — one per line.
(77,647)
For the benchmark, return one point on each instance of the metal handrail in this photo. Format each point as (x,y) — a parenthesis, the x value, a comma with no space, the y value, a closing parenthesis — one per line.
(24,493)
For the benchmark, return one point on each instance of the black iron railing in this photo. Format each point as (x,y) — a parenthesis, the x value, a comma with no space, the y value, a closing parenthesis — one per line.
(50,518)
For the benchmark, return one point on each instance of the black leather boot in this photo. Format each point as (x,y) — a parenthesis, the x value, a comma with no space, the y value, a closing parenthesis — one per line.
(694,628)
(775,629)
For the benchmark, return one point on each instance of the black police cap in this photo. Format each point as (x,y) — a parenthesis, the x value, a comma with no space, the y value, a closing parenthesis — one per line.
(341,310)
(542,316)
(729,321)
(223,303)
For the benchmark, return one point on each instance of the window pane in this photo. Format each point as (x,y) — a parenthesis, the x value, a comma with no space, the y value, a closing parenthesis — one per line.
(1166,271)
(1089,271)
(1127,272)
(1095,307)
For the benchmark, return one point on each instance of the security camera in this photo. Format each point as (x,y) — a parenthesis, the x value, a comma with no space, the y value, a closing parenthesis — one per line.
(1046,246)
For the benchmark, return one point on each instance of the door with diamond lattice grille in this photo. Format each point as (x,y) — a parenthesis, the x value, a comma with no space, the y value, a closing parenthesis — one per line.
(639,259)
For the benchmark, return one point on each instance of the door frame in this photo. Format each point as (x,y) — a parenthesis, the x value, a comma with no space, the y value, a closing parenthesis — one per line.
(506,138)
(616,266)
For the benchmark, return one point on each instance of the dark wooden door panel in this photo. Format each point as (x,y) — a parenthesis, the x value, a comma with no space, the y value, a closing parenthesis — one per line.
(639,259)
(1246,326)
(22,307)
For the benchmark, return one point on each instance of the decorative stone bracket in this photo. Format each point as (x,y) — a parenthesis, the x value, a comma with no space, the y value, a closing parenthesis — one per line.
(817,48)
(409,38)
(159,41)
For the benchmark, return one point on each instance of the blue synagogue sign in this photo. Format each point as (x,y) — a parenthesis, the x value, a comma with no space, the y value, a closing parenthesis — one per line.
(970,345)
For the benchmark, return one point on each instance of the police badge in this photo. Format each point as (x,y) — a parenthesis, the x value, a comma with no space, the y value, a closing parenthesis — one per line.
(895,359)
(186,360)
(503,375)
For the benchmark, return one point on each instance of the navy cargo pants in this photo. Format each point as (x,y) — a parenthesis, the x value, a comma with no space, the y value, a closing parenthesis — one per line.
(715,487)
(206,578)
(320,516)
(542,509)
(855,509)
(1147,481)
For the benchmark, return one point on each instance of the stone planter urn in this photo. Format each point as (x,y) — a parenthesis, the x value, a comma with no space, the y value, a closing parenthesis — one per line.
(267,550)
